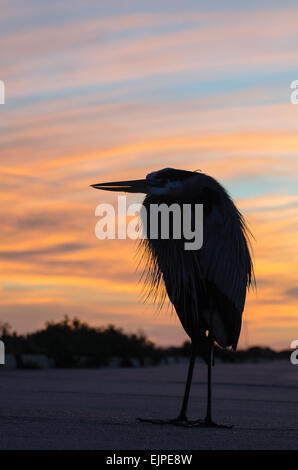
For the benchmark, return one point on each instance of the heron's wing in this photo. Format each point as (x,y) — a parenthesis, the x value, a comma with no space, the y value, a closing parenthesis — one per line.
(220,270)
(227,267)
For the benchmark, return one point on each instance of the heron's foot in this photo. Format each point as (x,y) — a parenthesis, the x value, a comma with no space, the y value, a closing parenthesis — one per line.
(179,421)
(207,423)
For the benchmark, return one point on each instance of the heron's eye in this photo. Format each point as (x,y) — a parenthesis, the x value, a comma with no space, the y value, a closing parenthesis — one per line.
(162,181)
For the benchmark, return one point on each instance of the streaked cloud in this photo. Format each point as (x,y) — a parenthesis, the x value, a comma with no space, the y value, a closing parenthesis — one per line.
(293,292)
(105,91)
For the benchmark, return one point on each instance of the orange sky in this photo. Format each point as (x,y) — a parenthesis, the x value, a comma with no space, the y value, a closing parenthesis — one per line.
(99,92)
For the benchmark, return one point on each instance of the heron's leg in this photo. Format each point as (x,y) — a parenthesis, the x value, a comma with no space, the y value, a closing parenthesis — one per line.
(208,422)
(182,414)
(182,418)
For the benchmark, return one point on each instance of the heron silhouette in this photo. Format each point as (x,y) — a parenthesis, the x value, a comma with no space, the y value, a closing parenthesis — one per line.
(207,287)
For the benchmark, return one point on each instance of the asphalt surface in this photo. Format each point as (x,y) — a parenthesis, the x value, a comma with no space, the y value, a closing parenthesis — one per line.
(97,409)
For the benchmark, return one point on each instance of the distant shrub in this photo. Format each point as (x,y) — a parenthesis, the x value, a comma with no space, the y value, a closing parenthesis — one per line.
(73,343)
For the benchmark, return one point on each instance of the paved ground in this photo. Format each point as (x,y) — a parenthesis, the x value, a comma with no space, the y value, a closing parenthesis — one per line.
(97,409)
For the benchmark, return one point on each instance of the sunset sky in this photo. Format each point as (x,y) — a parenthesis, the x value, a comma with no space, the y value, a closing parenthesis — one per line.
(110,90)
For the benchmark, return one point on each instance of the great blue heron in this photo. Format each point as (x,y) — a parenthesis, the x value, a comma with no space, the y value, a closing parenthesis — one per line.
(207,286)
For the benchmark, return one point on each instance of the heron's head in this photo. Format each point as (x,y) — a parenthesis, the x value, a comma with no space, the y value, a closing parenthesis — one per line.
(162,182)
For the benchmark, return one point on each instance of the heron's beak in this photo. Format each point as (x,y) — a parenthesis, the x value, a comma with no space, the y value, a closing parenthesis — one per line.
(132,186)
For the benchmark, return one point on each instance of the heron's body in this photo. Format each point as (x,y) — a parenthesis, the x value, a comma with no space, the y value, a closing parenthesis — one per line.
(217,274)
(208,286)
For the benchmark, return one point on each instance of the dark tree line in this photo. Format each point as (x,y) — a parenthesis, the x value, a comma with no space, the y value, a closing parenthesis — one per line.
(72,343)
